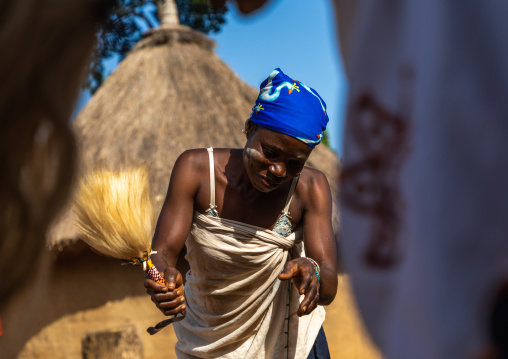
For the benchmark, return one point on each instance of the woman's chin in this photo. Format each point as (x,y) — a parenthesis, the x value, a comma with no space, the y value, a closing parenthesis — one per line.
(261,188)
(263,185)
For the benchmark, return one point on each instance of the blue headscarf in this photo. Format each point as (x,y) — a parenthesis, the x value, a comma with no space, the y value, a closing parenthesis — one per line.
(288,106)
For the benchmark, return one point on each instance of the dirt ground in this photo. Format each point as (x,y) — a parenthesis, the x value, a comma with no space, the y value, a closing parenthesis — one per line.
(344,331)
(62,338)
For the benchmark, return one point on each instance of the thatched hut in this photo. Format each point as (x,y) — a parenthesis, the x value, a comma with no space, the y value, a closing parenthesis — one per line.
(169,94)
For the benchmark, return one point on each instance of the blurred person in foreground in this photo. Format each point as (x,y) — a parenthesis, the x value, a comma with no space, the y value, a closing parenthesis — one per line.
(243,215)
(424,191)
(46,45)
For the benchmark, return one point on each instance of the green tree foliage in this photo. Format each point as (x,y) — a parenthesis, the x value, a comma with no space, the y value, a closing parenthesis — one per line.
(128,19)
(326,139)
(200,15)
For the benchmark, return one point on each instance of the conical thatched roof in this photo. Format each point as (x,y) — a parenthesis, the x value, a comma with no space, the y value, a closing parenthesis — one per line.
(171,93)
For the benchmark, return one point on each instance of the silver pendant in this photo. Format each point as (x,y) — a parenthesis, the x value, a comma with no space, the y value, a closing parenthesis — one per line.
(212,211)
(283,226)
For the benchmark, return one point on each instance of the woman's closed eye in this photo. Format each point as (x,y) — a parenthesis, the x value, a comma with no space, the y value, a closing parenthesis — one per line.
(269,154)
(295,165)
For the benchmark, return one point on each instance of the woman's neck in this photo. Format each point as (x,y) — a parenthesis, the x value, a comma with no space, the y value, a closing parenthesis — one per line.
(235,172)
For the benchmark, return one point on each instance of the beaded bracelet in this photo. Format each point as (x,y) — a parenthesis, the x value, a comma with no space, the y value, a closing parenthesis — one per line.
(316,267)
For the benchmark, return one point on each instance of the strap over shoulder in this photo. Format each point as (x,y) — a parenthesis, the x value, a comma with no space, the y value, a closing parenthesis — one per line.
(290,194)
(284,226)
(212,210)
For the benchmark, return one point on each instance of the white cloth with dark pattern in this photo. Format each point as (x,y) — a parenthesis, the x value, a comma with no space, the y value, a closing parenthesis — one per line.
(425,196)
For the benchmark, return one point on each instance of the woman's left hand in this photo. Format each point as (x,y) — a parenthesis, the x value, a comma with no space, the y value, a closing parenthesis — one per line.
(305,280)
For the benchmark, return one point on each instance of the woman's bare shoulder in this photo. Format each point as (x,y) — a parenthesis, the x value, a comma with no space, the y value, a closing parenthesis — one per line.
(187,173)
(313,185)
(199,156)
(311,177)
(193,159)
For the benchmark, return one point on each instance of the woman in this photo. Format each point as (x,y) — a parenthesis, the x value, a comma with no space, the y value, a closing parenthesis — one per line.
(242,214)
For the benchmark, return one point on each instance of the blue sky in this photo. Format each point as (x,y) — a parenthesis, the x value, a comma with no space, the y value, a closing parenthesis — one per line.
(296,35)
(299,37)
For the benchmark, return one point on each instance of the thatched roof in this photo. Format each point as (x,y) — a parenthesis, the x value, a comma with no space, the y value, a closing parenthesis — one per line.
(171,93)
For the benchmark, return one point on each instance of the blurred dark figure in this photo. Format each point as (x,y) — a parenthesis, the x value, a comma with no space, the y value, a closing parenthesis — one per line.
(245,6)
(424,191)
(499,323)
(46,45)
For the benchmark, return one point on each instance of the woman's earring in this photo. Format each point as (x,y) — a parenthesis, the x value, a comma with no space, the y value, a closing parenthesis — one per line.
(243,131)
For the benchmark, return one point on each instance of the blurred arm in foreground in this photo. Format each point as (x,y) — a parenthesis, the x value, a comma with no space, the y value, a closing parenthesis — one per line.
(46,45)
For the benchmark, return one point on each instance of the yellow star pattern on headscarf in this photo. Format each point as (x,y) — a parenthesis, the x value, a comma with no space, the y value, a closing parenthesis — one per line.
(258,107)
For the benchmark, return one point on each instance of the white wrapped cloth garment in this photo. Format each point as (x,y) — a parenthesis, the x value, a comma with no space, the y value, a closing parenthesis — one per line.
(236,305)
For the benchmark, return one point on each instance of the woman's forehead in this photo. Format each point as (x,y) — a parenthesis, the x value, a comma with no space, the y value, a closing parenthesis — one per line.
(282,143)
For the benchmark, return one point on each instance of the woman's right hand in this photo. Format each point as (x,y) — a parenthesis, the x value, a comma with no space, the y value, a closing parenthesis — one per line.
(168,298)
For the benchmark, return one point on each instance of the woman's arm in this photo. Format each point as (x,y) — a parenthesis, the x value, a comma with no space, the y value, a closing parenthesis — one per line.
(177,211)
(171,232)
(318,235)
(320,245)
